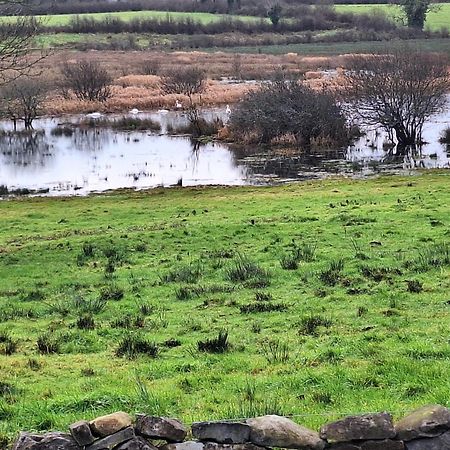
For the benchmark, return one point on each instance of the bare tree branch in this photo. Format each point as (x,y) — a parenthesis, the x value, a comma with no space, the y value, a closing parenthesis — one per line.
(397,91)
(17,35)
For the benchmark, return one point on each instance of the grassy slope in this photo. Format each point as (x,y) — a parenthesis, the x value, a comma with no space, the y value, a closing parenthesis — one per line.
(437,19)
(385,349)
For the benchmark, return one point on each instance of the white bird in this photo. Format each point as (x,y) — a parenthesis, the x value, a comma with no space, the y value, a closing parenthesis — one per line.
(178,105)
(94,115)
(228,109)
(135,111)
(163,111)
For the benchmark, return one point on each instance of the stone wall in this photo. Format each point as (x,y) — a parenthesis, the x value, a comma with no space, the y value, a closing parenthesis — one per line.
(427,428)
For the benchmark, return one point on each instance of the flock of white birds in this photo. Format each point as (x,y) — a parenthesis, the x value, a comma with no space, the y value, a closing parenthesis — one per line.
(135,111)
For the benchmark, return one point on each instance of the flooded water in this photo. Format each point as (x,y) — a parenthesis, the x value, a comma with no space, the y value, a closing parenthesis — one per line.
(98,159)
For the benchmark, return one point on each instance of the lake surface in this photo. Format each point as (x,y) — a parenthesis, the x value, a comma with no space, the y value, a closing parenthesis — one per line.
(98,159)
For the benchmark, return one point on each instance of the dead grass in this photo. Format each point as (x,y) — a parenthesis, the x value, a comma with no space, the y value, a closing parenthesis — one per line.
(131,89)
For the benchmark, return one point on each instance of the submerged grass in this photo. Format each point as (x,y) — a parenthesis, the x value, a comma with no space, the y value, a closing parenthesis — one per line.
(338,334)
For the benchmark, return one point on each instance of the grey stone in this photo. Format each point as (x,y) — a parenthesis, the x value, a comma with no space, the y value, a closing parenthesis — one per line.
(428,421)
(172,430)
(344,446)
(111,441)
(356,428)
(277,431)
(188,445)
(47,441)
(81,432)
(221,432)
(385,444)
(441,442)
(137,443)
(217,446)
(110,424)
(195,445)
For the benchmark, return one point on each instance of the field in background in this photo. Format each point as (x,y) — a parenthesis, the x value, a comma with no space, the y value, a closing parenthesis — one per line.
(334,295)
(204,18)
(436,20)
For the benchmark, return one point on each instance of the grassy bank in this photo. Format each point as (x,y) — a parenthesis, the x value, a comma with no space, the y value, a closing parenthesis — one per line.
(334,295)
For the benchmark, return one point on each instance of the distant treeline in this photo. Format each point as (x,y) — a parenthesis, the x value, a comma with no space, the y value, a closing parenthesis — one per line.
(312,19)
(242,7)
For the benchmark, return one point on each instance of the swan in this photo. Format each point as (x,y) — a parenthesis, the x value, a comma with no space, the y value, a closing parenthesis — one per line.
(94,115)
(135,111)
(178,105)
(228,109)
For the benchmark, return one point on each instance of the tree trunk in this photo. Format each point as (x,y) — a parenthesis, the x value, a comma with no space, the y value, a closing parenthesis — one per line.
(403,136)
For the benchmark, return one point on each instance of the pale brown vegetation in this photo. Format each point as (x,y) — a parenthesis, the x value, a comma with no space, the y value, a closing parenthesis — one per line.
(131,89)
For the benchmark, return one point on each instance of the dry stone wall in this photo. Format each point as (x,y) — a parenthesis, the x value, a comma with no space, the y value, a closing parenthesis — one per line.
(427,428)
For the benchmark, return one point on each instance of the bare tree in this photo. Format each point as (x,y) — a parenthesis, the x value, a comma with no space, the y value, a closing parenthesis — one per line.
(397,91)
(87,80)
(16,41)
(185,81)
(22,100)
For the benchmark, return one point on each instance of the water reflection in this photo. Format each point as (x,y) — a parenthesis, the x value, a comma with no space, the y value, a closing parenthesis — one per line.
(73,159)
(25,149)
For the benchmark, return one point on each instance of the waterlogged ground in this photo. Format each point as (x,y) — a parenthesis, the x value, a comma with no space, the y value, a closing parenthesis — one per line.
(99,159)
(334,295)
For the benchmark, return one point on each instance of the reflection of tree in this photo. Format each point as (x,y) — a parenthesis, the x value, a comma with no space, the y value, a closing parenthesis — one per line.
(25,148)
(409,156)
(195,153)
(284,164)
(91,140)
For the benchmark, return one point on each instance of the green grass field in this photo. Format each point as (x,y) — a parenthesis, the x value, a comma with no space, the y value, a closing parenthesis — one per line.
(436,20)
(64,19)
(334,295)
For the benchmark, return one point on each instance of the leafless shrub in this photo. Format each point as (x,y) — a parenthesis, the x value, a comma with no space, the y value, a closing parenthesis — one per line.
(150,66)
(87,80)
(397,91)
(284,108)
(186,81)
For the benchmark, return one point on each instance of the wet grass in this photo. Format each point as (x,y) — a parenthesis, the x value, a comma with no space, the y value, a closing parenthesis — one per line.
(175,302)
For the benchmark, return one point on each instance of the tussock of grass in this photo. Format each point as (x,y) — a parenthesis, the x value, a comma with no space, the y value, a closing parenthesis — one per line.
(48,343)
(433,256)
(219,344)
(189,273)
(124,124)
(309,325)
(245,270)
(275,351)
(133,345)
(258,307)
